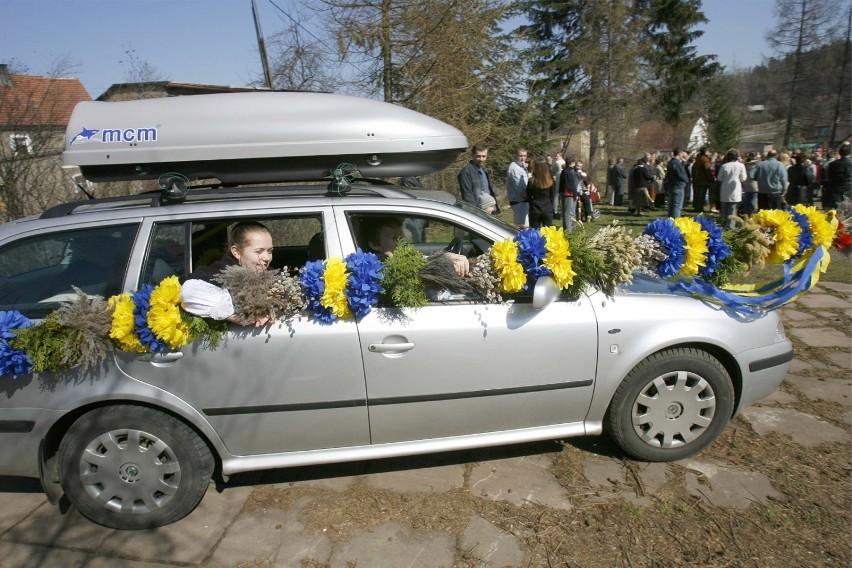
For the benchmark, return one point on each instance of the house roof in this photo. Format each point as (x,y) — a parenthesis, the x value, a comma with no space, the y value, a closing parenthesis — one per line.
(32,100)
(124,91)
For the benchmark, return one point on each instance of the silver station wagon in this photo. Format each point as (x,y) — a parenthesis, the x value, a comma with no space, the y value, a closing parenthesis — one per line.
(135,442)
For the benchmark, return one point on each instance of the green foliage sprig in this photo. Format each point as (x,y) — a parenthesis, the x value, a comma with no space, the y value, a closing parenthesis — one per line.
(402,283)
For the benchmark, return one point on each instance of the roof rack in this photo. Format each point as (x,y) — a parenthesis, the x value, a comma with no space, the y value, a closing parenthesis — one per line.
(156,198)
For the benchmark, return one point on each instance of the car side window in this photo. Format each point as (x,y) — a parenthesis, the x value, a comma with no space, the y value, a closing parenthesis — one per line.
(296,238)
(38,273)
(166,253)
(428,235)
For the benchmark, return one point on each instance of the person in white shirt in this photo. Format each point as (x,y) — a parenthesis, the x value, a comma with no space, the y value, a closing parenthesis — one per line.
(731,176)
(516,188)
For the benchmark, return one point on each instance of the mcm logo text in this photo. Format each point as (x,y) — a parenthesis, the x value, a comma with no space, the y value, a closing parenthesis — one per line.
(129,135)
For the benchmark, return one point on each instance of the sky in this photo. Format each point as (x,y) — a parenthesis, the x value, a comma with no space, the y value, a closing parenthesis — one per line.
(214,42)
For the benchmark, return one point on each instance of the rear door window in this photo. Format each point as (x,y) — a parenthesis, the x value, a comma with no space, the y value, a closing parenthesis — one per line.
(38,273)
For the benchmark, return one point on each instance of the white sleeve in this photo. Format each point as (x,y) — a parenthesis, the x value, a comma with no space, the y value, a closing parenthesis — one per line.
(206,300)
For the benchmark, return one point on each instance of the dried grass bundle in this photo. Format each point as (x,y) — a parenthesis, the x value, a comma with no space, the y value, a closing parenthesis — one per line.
(484,278)
(440,274)
(620,254)
(260,294)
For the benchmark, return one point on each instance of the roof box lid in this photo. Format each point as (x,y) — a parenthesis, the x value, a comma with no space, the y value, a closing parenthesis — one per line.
(255,137)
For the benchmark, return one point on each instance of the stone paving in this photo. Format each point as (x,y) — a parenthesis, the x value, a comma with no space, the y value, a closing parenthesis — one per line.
(222,532)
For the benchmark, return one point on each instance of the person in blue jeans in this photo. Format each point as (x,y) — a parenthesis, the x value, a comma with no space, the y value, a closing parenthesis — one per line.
(569,182)
(675,182)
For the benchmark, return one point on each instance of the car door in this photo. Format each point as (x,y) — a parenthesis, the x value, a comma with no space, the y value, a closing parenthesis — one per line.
(461,366)
(295,385)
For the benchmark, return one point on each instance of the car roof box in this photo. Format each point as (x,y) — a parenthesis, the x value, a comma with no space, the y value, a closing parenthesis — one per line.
(255,137)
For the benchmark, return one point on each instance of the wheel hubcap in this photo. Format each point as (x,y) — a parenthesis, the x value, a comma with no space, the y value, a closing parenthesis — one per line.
(673,409)
(130,471)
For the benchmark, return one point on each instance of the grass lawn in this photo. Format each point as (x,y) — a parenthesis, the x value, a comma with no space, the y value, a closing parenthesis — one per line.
(839,269)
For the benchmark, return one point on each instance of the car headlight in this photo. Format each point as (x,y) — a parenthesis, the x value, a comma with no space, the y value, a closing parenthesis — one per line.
(780,334)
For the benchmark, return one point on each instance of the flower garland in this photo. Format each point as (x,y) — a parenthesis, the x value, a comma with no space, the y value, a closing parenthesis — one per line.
(13,361)
(785,233)
(338,288)
(533,253)
(689,252)
(717,249)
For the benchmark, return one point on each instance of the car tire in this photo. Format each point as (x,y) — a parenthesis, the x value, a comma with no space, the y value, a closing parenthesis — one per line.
(110,473)
(672,405)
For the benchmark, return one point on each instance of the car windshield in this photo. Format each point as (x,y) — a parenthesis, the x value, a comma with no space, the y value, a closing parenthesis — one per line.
(492,218)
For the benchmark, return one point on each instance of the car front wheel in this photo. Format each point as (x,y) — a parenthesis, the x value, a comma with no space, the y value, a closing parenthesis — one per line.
(672,405)
(131,467)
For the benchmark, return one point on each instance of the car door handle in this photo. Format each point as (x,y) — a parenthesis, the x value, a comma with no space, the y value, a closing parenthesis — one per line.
(390,347)
(166,359)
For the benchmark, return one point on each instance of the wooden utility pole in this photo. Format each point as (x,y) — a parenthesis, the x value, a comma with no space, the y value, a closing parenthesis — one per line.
(261,46)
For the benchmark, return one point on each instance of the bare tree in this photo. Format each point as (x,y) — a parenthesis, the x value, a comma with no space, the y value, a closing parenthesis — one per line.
(138,70)
(802,26)
(34,111)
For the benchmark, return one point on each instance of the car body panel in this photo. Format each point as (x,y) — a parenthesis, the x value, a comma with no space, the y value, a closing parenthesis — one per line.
(474,368)
(302,392)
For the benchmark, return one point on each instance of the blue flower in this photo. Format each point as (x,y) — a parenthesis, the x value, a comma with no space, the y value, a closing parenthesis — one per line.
(12,361)
(717,249)
(12,320)
(363,285)
(532,251)
(672,241)
(313,284)
(806,237)
(142,305)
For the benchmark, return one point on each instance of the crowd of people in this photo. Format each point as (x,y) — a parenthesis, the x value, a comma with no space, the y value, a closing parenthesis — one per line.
(726,184)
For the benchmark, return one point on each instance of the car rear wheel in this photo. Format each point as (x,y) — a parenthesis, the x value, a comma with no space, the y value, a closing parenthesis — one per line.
(131,467)
(671,405)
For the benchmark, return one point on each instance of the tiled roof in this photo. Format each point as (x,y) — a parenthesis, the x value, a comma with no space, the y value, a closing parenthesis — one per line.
(33,100)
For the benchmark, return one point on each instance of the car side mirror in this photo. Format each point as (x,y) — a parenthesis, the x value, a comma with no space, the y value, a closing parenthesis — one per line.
(545,292)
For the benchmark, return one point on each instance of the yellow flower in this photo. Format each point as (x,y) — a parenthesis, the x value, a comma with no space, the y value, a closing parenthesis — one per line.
(785,233)
(562,273)
(164,317)
(695,248)
(508,268)
(334,296)
(122,323)
(823,232)
(558,253)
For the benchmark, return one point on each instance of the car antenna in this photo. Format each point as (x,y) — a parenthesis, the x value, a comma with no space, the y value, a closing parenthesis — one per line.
(77,183)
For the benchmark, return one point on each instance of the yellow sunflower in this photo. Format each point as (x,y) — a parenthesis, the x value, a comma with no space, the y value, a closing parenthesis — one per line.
(823,232)
(558,253)
(695,247)
(123,324)
(164,317)
(785,233)
(508,268)
(334,297)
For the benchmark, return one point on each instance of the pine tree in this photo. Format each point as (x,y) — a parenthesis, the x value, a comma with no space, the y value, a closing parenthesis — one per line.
(678,72)
(585,56)
(723,124)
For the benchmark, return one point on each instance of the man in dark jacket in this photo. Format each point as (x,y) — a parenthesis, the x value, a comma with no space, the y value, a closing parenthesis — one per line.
(474,180)
(641,177)
(702,178)
(617,180)
(839,179)
(675,182)
(569,181)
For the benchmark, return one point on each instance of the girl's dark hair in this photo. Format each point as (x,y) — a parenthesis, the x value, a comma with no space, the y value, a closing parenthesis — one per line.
(239,234)
(732,155)
(541,176)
